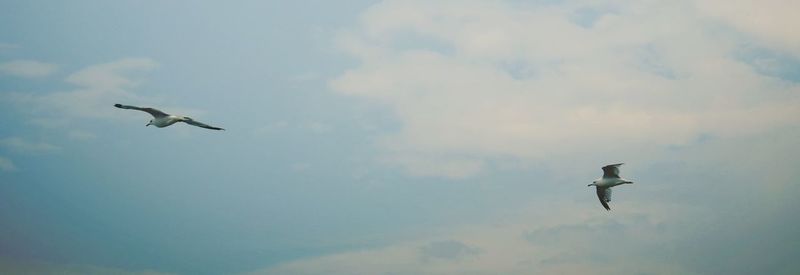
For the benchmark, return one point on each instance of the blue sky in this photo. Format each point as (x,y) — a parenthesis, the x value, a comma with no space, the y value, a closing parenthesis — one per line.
(399,137)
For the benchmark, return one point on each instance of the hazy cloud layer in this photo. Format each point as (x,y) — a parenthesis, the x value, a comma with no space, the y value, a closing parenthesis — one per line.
(769,22)
(448,250)
(476,80)
(26,68)
(709,134)
(43,268)
(635,241)
(6,165)
(642,235)
(7,46)
(25,146)
(402,137)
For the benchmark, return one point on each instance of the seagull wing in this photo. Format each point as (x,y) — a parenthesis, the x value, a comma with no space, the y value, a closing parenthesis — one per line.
(604,194)
(154,112)
(191,121)
(611,171)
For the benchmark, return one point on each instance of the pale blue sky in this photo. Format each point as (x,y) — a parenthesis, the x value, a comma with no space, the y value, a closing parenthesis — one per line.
(399,137)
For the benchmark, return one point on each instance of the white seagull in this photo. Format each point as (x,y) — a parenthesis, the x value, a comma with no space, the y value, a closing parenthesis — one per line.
(162,119)
(610,179)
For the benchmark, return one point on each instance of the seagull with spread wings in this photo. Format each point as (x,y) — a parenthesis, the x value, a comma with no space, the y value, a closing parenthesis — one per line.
(162,119)
(610,179)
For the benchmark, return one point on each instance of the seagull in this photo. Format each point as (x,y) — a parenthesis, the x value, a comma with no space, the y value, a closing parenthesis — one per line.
(610,179)
(162,119)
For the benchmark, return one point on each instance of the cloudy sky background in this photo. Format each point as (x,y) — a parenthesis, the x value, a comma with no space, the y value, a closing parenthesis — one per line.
(400,137)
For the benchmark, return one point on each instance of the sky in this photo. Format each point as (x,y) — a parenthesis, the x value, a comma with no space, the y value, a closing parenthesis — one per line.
(399,137)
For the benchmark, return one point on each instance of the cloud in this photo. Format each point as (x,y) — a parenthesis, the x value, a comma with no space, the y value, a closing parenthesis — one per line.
(98,88)
(304,77)
(771,22)
(27,68)
(25,146)
(448,250)
(7,47)
(81,135)
(538,243)
(318,127)
(6,165)
(709,136)
(643,235)
(12,266)
(473,81)
(111,76)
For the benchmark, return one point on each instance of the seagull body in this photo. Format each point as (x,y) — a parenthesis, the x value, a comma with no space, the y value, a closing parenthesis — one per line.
(610,179)
(162,119)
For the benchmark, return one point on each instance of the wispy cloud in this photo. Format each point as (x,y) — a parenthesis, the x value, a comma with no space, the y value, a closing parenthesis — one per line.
(555,236)
(650,74)
(98,88)
(40,267)
(7,46)
(27,68)
(111,76)
(541,243)
(25,146)
(6,165)
(450,250)
(81,135)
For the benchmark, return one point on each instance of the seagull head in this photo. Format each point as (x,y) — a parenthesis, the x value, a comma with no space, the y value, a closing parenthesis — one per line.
(148,124)
(593,183)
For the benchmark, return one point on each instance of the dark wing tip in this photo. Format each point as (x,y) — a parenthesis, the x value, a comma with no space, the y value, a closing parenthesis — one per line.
(605,204)
(603,200)
(118,105)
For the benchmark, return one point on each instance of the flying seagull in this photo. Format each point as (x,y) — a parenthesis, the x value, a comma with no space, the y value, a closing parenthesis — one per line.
(162,119)
(610,179)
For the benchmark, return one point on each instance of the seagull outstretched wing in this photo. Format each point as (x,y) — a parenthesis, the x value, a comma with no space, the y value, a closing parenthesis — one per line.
(611,171)
(191,121)
(154,112)
(604,194)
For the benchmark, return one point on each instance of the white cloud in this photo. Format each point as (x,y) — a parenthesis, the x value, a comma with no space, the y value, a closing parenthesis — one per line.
(6,165)
(111,76)
(575,242)
(27,68)
(653,227)
(772,21)
(99,88)
(25,146)
(697,202)
(476,80)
